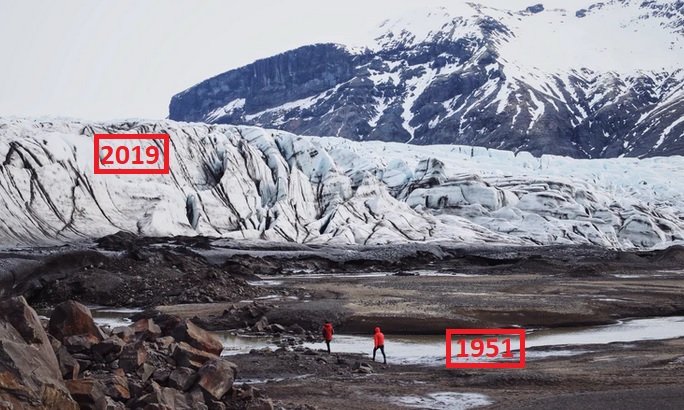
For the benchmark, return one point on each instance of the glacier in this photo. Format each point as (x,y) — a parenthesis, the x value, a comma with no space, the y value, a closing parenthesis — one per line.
(250,183)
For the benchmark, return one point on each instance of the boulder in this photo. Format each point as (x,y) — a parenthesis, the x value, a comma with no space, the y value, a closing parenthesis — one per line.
(146,371)
(361,367)
(89,393)
(68,366)
(124,333)
(167,323)
(276,328)
(197,337)
(176,399)
(146,329)
(111,404)
(109,349)
(165,342)
(24,319)
(72,318)
(115,385)
(197,397)
(80,343)
(30,375)
(136,387)
(216,377)
(84,361)
(158,397)
(182,378)
(187,356)
(161,376)
(151,400)
(261,325)
(132,357)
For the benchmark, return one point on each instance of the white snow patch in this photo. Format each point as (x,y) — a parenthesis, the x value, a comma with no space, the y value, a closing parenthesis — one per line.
(667,131)
(226,109)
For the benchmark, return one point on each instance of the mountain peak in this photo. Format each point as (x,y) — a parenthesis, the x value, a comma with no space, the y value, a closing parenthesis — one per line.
(575,78)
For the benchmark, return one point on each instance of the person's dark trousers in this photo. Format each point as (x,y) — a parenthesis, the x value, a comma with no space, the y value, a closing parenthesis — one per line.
(327,342)
(382,349)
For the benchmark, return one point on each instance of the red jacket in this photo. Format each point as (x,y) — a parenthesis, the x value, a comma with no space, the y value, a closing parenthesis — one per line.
(379,338)
(328,331)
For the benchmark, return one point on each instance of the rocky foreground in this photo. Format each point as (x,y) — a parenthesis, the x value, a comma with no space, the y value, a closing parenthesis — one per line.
(282,292)
(69,362)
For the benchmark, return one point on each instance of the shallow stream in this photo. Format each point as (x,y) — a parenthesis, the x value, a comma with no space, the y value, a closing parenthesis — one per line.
(405,349)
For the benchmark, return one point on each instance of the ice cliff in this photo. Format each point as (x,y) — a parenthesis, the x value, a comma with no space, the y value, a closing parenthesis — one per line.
(248,182)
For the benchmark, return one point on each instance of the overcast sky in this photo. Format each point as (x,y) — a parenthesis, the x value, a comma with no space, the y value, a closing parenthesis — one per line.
(116,59)
(113,59)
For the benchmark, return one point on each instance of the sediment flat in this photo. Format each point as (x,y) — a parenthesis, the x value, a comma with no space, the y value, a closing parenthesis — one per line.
(407,290)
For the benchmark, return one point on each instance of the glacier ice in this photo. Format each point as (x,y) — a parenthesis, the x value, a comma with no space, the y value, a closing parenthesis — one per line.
(251,183)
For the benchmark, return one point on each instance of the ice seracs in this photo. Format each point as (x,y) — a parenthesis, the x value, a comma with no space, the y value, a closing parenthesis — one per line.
(253,183)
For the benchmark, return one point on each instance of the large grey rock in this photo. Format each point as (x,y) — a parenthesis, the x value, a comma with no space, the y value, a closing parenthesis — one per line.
(73,319)
(147,329)
(182,378)
(68,365)
(114,385)
(88,392)
(30,376)
(197,337)
(216,377)
(188,356)
(133,356)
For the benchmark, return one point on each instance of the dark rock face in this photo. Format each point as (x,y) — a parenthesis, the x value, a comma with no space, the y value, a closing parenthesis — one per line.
(187,356)
(30,376)
(537,8)
(273,81)
(450,90)
(216,377)
(89,393)
(197,337)
(73,319)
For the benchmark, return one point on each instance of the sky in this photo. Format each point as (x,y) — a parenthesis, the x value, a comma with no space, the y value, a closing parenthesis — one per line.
(115,59)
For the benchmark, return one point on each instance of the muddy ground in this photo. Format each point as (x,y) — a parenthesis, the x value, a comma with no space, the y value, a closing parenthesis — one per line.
(615,376)
(217,283)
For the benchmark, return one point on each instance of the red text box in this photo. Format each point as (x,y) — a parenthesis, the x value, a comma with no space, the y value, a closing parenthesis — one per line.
(131,153)
(494,346)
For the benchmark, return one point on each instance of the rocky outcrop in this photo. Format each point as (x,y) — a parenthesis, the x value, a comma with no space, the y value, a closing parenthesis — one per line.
(197,337)
(73,320)
(84,366)
(297,74)
(216,377)
(30,376)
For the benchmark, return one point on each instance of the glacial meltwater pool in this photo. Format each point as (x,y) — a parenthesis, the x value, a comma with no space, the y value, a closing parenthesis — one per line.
(405,349)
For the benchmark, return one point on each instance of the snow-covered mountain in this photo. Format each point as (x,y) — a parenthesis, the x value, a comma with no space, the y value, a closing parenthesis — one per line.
(572,77)
(248,182)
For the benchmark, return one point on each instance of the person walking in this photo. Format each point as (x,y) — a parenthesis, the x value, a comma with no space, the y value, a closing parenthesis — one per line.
(328,332)
(379,339)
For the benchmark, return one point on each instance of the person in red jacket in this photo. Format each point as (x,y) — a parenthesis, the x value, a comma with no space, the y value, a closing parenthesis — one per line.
(328,333)
(379,339)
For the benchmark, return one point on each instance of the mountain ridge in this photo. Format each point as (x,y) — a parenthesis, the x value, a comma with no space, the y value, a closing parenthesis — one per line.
(473,80)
